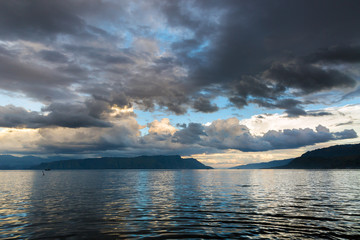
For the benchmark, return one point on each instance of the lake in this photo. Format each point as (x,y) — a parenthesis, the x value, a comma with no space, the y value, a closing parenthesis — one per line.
(167,204)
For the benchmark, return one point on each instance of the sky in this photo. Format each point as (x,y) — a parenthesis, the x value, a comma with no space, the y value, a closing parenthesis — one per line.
(226,82)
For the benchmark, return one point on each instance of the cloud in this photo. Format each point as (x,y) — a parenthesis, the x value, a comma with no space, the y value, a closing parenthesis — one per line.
(333,117)
(345,123)
(99,55)
(294,138)
(84,61)
(43,20)
(204,105)
(53,56)
(249,62)
(11,116)
(170,55)
(37,82)
(336,54)
(64,115)
(73,116)
(160,130)
(346,134)
(230,134)
(123,135)
(124,138)
(307,78)
(190,134)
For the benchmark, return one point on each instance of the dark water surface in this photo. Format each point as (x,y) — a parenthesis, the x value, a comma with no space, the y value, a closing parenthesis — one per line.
(196,204)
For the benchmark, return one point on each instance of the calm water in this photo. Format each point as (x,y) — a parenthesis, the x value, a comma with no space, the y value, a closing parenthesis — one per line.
(197,204)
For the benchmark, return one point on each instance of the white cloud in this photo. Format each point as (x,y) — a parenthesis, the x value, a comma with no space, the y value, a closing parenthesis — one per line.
(162,127)
(260,124)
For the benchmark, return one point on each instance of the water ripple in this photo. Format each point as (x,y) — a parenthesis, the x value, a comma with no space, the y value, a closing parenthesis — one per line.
(136,204)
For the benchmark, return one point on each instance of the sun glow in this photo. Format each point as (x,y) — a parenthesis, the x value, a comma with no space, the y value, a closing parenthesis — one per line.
(120,111)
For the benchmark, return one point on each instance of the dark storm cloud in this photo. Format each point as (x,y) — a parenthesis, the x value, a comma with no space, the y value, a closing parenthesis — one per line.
(53,56)
(99,55)
(152,86)
(292,107)
(63,115)
(73,116)
(248,51)
(190,134)
(295,112)
(239,102)
(37,82)
(11,116)
(43,20)
(307,78)
(318,113)
(204,105)
(172,56)
(74,70)
(336,54)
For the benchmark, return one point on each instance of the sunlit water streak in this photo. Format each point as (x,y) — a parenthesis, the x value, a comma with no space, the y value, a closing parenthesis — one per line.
(196,204)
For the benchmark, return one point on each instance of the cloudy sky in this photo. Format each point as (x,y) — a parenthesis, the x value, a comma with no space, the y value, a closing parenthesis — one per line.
(227,82)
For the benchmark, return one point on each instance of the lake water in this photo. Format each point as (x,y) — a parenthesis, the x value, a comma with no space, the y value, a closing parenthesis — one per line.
(196,204)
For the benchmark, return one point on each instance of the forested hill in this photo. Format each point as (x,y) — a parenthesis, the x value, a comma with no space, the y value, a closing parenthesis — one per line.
(335,157)
(142,162)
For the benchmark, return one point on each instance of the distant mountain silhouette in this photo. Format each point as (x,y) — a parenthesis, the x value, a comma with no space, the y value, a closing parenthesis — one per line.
(262,165)
(142,162)
(13,162)
(335,157)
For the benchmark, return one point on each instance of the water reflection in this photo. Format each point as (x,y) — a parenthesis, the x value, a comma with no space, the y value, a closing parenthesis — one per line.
(115,204)
(14,202)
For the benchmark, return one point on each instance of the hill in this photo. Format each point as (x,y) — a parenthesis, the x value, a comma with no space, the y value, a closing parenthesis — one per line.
(335,157)
(142,162)
(13,162)
(262,165)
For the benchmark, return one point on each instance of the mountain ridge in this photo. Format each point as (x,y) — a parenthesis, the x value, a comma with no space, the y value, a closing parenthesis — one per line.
(345,156)
(140,162)
(264,165)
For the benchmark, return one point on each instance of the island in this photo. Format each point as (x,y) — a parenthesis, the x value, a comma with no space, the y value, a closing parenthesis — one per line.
(141,162)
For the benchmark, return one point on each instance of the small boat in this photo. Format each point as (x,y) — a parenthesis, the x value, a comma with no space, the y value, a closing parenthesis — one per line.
(47,169)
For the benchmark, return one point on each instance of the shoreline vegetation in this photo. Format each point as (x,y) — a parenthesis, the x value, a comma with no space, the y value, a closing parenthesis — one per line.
(335,157)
